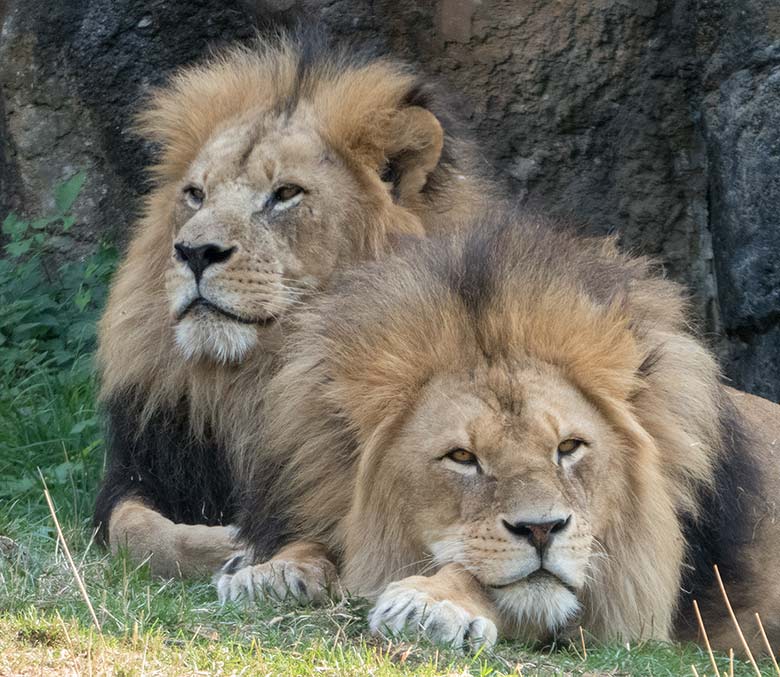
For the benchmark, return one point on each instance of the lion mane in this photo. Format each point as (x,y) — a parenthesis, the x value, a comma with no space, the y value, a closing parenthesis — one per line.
(514,287)
(178,430)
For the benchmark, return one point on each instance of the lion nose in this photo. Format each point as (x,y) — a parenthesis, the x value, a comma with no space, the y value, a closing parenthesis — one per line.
(201,257)
(539,534)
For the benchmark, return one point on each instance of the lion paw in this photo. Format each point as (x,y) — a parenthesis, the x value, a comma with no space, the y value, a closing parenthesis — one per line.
(402,607)
(273,581)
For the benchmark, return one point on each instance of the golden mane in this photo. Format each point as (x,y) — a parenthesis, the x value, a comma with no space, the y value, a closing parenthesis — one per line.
(352,94)
(516,287)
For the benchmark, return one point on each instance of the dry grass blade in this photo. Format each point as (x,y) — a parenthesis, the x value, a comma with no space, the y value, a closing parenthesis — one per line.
(582,641)
(706,638)
(694,671)
(767,645)
(71,647)
(736,622)
(71,563)
(731,662)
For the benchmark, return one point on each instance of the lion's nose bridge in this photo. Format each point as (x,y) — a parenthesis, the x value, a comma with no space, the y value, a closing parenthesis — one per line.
(207,228)
(533,497)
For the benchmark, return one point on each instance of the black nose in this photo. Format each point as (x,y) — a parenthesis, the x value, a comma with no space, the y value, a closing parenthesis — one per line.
(201,257)
(539,534)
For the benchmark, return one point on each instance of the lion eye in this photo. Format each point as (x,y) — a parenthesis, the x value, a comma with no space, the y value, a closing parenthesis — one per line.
(287,192)
(462,456)
(194,196)
(569,446)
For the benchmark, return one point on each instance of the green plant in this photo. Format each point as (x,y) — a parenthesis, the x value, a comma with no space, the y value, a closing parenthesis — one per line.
(48,418)
(48,312)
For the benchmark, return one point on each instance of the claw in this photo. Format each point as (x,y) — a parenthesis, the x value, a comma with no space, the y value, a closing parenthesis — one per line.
(404,608)
(273,581)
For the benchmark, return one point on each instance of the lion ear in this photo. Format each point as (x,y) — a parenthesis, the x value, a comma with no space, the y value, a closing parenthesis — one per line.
(414,142)
(402,144)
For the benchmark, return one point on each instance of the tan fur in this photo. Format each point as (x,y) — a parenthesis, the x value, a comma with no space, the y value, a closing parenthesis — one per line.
(453,582)
(229,127)
(572,338)
(173,550)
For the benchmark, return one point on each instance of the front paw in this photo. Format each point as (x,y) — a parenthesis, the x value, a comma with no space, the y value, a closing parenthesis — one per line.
(275,581)
(402,607)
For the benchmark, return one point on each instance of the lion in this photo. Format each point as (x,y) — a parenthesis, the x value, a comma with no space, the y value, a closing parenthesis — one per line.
(278,165)
(514,432)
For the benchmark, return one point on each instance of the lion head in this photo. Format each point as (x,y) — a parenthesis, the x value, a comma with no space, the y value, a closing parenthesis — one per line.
(276,166)
(529,405)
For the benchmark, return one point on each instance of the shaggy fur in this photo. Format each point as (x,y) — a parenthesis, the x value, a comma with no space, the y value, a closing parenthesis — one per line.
(183,390)
(492,312)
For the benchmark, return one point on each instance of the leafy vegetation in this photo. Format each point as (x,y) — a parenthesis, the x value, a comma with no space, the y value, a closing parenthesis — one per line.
(48,314)
(49,431)
(49,311)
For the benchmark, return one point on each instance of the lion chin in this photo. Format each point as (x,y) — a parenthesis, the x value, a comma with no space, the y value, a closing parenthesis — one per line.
(221,340)
(540,601)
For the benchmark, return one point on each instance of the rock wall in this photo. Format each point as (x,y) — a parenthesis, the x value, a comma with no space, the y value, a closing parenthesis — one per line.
(739,44)
(655,119)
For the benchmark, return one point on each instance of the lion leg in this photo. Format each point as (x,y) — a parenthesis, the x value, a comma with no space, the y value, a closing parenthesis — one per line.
(758,593)
(301,571)
(173,550)
(723,636)
(450,607)
(754,588)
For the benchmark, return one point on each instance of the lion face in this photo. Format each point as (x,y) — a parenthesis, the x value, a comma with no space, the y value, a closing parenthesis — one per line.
(257,218)
(498,469)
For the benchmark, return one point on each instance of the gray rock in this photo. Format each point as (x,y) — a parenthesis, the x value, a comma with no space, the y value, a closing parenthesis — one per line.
(741,110)
(654,120)
(73,75)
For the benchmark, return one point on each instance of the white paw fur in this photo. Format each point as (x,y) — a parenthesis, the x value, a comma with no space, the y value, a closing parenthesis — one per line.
(403,608)
(274,581)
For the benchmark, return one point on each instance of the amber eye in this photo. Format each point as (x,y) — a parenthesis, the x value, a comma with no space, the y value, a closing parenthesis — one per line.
(569,446)
(194,196)
(462,456)
(287,192)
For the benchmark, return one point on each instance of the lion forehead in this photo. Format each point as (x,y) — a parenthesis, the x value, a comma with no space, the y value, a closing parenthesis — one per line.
(524,410)
(234,140)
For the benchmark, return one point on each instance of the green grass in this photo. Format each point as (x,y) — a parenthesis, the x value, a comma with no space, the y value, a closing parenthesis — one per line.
(149,626)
